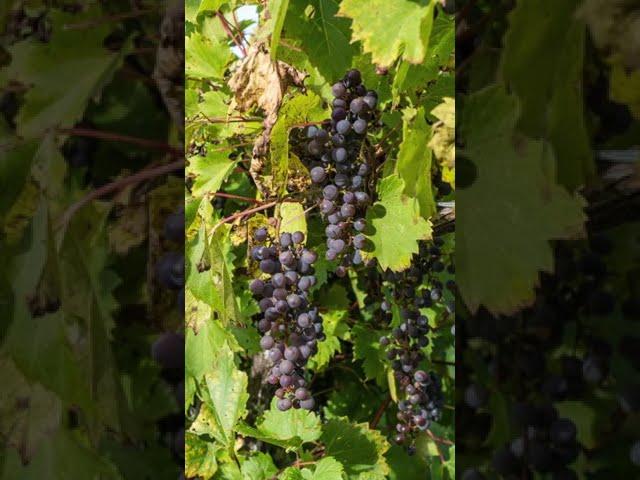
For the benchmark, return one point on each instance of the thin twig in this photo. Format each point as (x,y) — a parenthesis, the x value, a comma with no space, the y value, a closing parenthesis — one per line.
(432,436)
(117,137)
(230,34)
(379,412)
(244,213)
(237,197)
(441,440)
(119,184)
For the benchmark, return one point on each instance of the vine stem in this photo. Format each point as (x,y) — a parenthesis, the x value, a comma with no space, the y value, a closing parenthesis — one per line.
(433,437)
(117,137)
(237,197)
(119,184)
(441,440)
(244,213)
(379,412)
(230,34)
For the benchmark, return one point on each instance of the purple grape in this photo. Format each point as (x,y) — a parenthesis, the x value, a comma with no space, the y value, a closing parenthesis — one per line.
(339,154)
(309,256)
(260,235)
(266,342)
(360,224)
(268,266)
(338,89)
(302,393)
(347,210)
(359,241)
(297,237)
(370,100)
(256,286)
(307,404)
(338,114)
(315,148)
(294,301)
(356,106)
(338,102)
(292,353)
(284,404)
(360,126)
(343,127)
(303,320)
(354,78)
(341,180)
(327,206)
(330,192)
(318,175)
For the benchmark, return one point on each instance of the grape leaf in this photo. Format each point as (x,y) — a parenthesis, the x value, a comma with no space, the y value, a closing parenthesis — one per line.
(259,467)
(199,457)
(327,468)
(62,458)
(205,57)
(210,171)
(291,473)
(411,20)
(395,226)
(195,7)
(299,110)
(443,141)
(29,414)
(48,69)
(584,416)
(226,386)
(366,347)
(293,218)
(324,37)
(551,104)
(515,178)
(288,429)
(625,88)
(414,160)
(359,449)
(278,11)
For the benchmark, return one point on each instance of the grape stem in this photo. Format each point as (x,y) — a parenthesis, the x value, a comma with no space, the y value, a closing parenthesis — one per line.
(244,213)
(141,176)
(437,444)
(237,197)
(117,137)
(230,34)
(379,412)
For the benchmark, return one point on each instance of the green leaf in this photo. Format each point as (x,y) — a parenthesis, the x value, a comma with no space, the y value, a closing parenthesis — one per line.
(210,171)
(227,398)
(62,458)
(293,218)
(288,429)
(327,468)
(552,105)
(278,11)
(199,457)
(395,226)
(366,347)
(359,449)
(209,277)
(291,473)
(205,58)
(516,207)
(300,109)
(29,414)
(48,69)
(584,416)
(259,467)
(414,160)
(313,26)
(411,21)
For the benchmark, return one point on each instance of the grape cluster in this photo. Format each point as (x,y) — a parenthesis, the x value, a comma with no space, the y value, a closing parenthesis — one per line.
(290,325)
(422,392)
(521,355)
(333,151)
(413,289)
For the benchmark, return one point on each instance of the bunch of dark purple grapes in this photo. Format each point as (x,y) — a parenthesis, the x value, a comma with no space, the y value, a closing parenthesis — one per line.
(415,288)
(333,151)
(290,326)
(421,392)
